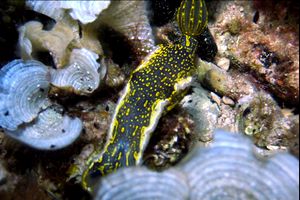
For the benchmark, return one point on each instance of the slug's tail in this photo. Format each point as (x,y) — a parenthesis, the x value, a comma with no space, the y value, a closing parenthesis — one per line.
(191,17)
(114,157)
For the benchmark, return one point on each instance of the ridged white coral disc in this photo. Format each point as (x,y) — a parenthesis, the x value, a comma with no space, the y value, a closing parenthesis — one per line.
(82,74)
(24,88)
(229,170)
(84,11)
(50,8)
(51,130)
(143,184)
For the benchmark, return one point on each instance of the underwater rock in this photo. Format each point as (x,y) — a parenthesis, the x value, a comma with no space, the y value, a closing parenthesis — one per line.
(171,140)
(263,44)
(294,140)
(228,101)
(96,120)
(3,177)
(227,117)
(204,112)
(140,183)
(8,181)
(96,123)
(3,173)
(33,40)
(259,115)
(82,75)
(24,88)
(84,11)
(227,169)
(49,131)
(274,132)
(223,82)
(223,63)
(114,77)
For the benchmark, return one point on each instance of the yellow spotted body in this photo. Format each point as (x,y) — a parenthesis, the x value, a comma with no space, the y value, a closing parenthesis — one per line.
(153,88)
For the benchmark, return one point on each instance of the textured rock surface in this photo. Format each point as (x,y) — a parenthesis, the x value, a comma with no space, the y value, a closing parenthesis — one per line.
(260,41)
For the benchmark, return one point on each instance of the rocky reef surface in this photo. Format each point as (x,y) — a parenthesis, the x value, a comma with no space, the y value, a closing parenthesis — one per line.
(63,68)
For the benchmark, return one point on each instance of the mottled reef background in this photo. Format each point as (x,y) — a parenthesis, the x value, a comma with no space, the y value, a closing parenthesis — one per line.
(255,44)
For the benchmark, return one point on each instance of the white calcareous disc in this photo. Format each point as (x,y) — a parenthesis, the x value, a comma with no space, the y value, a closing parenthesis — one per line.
(50,130)
(142,184)
(24,88)
(83,74)
(228,169)
(84,11)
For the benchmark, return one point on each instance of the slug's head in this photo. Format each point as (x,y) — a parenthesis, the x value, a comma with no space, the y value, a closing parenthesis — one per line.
(191,17)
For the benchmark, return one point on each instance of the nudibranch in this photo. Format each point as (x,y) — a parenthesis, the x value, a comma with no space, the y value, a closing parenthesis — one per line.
(153,88)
